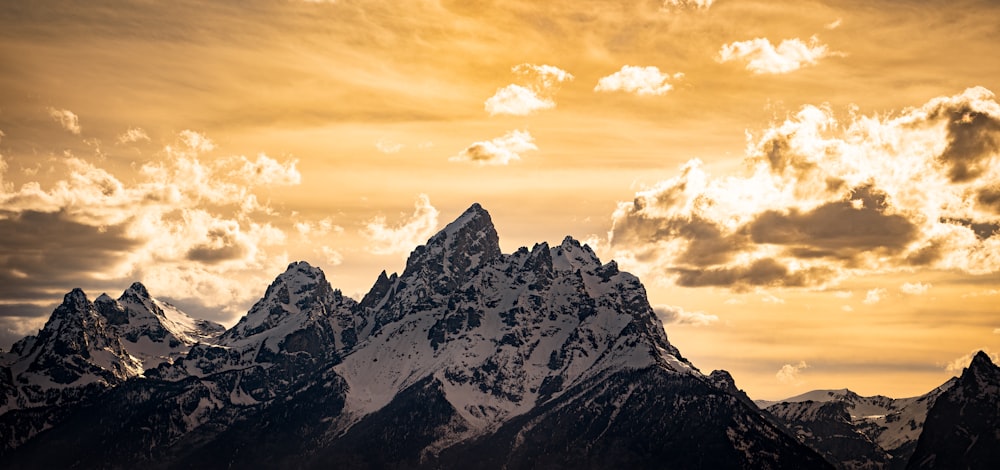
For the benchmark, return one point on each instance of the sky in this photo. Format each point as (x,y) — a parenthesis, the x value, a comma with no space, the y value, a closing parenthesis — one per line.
(809,190)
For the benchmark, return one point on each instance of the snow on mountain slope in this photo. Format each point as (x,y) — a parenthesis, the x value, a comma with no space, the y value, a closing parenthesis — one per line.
(501,333)
(892,426)
(299,312)
(152,330)
(75,353)
(539,354)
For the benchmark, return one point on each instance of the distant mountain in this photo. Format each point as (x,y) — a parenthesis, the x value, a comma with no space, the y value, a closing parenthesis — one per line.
(963,427)
(85,349)
(471,358)
(856,432)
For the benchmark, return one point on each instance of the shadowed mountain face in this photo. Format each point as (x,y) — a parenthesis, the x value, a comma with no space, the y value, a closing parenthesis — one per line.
(856,432)
(471,358)
(963,427)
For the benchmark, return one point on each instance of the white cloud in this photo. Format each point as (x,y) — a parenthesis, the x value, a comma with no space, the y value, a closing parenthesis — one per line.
(499,151)
(642,81)
(268,171)
(694,4)
(955,366)
(540,82)
(762,57)
(543,76)
(996,331)
(387,146)
(789,373)
(67,119)
(874,296)
(843,294)
(516,100)
(403,237)
(914,288)
(187,227)
(818,200)
(333,257)
(834,24)
(133,134)
(196,141)
(847,308)
(670,314)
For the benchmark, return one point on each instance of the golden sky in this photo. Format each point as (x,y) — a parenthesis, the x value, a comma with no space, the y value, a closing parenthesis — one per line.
(810,191)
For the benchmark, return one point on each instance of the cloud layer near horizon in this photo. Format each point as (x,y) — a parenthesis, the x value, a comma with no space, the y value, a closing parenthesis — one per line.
(823,199)
(187,219)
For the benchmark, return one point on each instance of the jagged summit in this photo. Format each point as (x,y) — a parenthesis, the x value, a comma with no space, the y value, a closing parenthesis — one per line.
(467,243)
(981,362)
(471,358)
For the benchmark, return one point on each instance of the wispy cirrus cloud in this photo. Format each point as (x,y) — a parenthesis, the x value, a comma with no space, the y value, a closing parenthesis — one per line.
(642,81)
(821,200)
(762,57)
(498,151)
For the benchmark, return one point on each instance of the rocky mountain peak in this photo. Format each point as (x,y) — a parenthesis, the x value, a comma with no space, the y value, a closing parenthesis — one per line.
(138,290)
(75,301)
(302,288)
(981,363)
(466,244)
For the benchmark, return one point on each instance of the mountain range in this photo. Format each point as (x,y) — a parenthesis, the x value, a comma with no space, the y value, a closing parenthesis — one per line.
(470,358)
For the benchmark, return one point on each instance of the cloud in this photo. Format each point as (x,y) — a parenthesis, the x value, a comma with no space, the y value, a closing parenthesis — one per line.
(834,24)
(499,151)
(670,314)
(332,257)
(516,100)
(996,331)
(789,373)
(387,146)
(693,4)
(917,288)
(761,57)
(133,134)
(188,226)
(874,296)
(642,81)
(403,237)
(540,82)
(67,119)
(819,200)
(956,365)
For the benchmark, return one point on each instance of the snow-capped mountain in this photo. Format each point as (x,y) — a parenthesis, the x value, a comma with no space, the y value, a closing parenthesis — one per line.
(152,330)
(471,358)
(855,431)
(962,429)
(75,353)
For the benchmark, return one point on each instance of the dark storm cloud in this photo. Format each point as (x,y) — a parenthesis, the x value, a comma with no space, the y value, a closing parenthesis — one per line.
(44,253)
(765,272)
(837,229)
(973,137)
(823,200)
